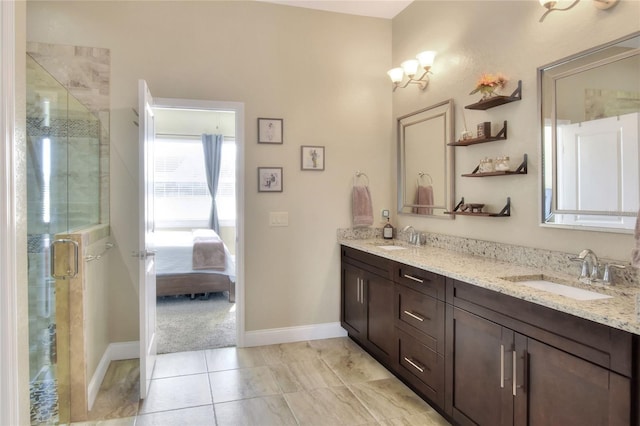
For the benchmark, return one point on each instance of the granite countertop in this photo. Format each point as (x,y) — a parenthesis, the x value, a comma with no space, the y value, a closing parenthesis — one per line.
(619,312)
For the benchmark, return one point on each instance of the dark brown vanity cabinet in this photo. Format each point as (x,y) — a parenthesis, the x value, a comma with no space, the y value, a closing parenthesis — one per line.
(420,322)
(367,308)
(523,364)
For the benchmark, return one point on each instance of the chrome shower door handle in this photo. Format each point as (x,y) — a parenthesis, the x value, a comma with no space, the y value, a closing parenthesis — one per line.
(69,273)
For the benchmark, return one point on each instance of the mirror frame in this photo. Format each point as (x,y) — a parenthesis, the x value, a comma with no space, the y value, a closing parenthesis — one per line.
(554,211)
(447,108)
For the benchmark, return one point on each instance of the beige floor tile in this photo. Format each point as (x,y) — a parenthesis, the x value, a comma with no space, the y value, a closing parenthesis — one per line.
(232,358)
(197,416)
(177,392)
(357,367)
(328,406)
(304,375)
(119,392)
(339,346)
(231,385)
(126,421)
(287,353)
(431,418)
(264,411)
(179,364)
(389,399)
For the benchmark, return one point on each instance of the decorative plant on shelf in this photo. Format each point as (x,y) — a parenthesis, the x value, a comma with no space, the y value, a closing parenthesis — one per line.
(488,83)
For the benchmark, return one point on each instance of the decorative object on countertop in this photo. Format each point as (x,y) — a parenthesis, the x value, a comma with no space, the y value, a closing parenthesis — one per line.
(424,195)
(488,83)
(362,204)
(635,254)
(387,231)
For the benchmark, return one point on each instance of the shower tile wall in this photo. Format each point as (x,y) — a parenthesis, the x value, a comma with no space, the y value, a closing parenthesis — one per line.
(85,73)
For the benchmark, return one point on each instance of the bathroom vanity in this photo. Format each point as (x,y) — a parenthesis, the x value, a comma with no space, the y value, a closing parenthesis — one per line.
(486,350)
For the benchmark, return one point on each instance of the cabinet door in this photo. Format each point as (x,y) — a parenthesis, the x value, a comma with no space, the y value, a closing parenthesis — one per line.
(556,388)
(482,351)
(380,325)
(353,301)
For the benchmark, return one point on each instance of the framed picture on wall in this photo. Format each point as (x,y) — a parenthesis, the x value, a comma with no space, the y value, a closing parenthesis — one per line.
(270,130)
(312,158)
(269,179)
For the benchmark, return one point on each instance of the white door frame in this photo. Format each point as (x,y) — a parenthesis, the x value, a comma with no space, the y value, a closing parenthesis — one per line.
(9,381)
(238,108)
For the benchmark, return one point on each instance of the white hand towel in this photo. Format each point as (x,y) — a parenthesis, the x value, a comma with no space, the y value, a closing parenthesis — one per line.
(635,254)
(362,206)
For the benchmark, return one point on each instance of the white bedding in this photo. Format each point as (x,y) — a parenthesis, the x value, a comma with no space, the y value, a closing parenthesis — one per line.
(174,251)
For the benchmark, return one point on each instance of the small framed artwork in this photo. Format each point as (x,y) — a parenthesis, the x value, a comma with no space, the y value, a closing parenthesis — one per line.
(484,130)
(270,130)
(312,158)
(269,179)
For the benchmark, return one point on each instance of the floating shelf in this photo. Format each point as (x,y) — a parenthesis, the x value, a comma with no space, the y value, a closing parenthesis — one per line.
(501,135)
(521,170)
(505,212)
(495,101)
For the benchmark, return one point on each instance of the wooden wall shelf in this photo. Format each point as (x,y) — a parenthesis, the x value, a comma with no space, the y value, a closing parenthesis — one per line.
(498,100)
(501,135)
(505,212)
(521,170)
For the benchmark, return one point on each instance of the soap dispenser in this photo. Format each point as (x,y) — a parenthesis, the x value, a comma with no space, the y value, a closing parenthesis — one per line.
(387,231)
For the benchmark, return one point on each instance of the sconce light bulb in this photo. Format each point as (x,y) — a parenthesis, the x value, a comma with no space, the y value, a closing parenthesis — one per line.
(549,4)
(426,59)
(410,67)
(396,75)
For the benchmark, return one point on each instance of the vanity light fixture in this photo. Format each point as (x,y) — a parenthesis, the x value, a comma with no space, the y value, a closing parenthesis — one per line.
(410,68)
(550,5)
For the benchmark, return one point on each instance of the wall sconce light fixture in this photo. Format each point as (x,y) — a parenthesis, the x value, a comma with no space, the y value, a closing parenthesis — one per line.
(409,67)
(550,5)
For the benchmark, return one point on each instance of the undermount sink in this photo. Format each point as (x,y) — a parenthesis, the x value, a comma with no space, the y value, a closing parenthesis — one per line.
(548,284)
(388,245)
(391,247)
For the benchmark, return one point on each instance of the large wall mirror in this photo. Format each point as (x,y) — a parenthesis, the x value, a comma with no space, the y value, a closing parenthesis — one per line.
(425,161)
(590,114)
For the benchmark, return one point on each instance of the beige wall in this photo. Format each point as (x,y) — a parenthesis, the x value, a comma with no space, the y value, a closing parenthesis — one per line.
(323,73)
(503,36)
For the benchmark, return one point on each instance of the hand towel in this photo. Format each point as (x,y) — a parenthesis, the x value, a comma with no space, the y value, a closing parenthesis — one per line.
(635,254)
(362,206)
(424,197)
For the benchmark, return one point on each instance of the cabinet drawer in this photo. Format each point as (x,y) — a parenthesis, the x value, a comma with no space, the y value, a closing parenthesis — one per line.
(369,262)
(423,313)
(420,280)
(419,362)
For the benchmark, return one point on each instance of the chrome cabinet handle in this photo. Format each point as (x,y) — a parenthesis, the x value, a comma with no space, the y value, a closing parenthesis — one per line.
(69,273)
(414,365)
(515,357)
(414,278)
(412,315)
(358,290)
(501,366)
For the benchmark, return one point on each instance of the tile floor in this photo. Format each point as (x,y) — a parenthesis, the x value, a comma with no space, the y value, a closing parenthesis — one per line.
(320,382)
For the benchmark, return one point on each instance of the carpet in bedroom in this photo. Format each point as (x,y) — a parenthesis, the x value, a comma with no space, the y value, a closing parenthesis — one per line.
(183,324)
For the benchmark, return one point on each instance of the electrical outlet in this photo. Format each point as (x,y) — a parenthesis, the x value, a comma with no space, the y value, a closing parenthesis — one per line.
(385,213)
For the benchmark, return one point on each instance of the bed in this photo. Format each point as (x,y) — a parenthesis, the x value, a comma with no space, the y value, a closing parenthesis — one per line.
(177,252)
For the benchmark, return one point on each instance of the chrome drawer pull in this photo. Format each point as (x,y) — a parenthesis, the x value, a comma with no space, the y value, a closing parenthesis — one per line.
(412,315)
(515,370)
(501,366)
(414,365)
(414,278)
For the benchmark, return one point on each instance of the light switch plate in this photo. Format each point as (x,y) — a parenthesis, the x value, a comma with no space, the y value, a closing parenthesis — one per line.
(278,218)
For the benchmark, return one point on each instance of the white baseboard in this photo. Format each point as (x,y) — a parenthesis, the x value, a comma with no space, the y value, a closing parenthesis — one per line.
(275,336)
(114,352)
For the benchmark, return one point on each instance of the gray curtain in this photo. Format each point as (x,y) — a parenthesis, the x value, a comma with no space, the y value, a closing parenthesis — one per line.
(212,145)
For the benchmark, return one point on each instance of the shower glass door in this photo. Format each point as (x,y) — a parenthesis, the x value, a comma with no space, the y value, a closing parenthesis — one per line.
(62,194)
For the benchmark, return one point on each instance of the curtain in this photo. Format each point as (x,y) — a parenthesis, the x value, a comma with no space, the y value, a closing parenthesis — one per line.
(212,145)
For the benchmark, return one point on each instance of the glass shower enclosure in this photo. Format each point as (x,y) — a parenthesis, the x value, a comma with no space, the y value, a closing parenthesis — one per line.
(63,194)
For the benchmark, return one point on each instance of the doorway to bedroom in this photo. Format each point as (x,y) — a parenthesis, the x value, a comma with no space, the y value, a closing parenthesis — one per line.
(195,215)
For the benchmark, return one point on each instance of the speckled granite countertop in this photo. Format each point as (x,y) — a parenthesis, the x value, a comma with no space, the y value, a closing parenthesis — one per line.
(619,312)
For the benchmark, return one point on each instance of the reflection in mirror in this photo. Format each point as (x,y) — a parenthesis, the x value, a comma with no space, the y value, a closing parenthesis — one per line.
(425,161)
(590,106)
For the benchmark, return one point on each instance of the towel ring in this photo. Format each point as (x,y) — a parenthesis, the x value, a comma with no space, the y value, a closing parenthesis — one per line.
(358,175)
(422,175)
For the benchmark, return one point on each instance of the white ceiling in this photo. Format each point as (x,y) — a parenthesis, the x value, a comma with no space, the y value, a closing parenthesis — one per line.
(373,8)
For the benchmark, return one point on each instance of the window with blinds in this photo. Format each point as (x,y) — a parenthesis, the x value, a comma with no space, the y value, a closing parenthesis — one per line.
(182,197)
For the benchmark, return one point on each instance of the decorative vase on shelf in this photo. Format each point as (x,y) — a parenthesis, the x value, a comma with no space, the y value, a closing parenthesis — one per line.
(488,92)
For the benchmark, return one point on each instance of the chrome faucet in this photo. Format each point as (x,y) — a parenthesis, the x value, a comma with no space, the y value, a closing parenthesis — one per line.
(412,236)
(590,265)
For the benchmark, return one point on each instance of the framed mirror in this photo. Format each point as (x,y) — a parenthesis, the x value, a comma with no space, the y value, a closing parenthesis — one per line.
(590,116)
(425,161)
